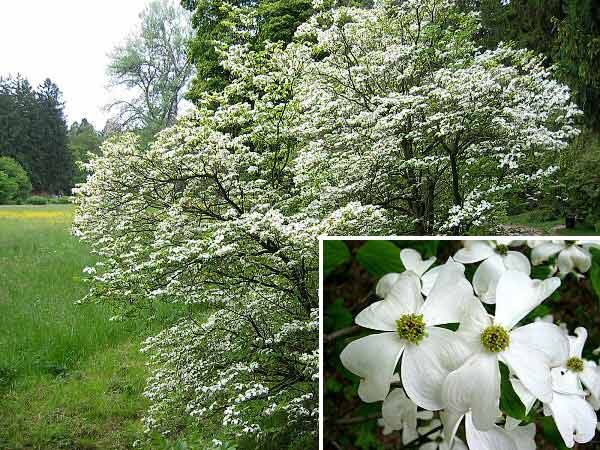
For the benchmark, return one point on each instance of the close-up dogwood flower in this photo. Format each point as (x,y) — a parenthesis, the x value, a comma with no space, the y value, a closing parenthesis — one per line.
(410,329)
(476,375)
(529,351)
(571,256)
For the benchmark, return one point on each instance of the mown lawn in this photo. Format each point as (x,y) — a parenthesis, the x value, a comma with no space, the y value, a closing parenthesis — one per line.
(69,377)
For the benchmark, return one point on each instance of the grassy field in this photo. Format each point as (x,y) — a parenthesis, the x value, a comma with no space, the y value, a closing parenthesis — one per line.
(69,377)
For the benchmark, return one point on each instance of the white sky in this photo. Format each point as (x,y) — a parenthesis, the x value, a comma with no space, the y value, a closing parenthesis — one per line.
(68,42)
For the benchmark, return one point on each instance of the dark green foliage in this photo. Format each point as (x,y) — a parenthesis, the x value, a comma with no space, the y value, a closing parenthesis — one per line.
(510,403)
(379,258)
(33,131)
(567,32)
(578,54)
(579,185)
(218,24)
(595,271)
(335,254)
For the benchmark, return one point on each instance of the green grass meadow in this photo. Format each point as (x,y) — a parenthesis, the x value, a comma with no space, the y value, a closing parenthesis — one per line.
(69,377)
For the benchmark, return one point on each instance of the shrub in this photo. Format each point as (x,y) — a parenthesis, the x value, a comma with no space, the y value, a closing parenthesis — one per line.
(22,186)
(37,200)
(8,188)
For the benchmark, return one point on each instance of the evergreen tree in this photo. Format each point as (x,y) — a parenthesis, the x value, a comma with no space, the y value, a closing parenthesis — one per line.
(33,132)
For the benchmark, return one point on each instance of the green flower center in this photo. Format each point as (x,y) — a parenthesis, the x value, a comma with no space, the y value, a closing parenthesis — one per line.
(569,243)
(411,327)
(495,339)
(502,249)
(575,365)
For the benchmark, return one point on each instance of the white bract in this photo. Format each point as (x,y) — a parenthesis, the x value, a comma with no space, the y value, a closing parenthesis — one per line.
(497,259)
(412,261)
(571,256)
(400,413)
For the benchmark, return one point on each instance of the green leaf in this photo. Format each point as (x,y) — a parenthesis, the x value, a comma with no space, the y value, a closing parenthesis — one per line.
(379,258)
(427,249)
(337,316)
(541,272)
(510,403)
(335,254)
(551,433)
(595,271)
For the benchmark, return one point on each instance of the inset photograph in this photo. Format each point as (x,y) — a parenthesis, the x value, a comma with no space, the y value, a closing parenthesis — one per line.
(456,344)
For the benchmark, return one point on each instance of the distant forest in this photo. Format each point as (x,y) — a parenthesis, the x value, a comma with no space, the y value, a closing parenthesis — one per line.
(34,132)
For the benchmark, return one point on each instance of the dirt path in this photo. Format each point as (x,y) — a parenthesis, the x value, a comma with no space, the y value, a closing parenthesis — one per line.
(522,230)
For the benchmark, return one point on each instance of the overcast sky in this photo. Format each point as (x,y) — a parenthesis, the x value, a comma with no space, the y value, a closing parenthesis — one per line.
(68,42)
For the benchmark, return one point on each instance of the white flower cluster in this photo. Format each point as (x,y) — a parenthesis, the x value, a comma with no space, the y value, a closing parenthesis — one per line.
(458,372)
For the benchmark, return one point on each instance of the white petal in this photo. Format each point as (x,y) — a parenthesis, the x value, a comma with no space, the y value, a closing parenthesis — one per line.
(545,337)
(517,295)
(524,437)
(449,296)
(574,417)
(412,260)
(577,342)
(532,368)
(476,320)
(591,378)
(474,251)
(451,421)
(517,261)
(403,298)
(509,242)
(566,382)
(425,366)
(385,283)
(428,279)
(373,358)
(572,258)
(464,390)
(486,278)
(493,439)
(399,412)
(527,398)
(545,251)
(458,445)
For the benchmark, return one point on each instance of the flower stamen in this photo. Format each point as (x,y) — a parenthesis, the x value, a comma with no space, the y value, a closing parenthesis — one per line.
(411,327)
(575,364)
(495,339)
(502,249)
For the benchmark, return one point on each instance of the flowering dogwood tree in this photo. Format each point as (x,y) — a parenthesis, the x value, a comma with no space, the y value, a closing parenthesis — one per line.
(373,121)
(416,361)
(210,217)
(402,110)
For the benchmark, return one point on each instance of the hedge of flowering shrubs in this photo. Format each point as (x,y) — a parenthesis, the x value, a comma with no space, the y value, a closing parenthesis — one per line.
(454,346)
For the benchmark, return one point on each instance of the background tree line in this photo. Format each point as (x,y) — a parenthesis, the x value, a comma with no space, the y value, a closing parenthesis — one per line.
(35,137)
